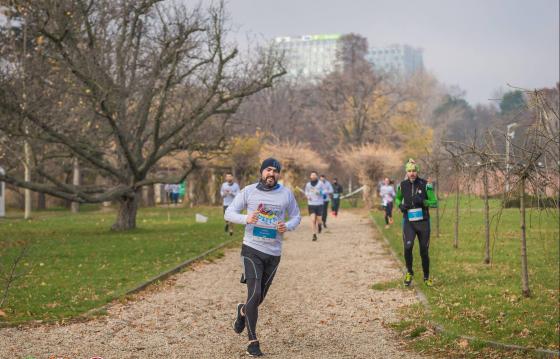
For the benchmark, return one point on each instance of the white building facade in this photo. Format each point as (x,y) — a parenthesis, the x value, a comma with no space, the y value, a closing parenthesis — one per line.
(309,56)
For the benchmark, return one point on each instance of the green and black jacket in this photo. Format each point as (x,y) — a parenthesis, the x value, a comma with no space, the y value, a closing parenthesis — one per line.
(407,190)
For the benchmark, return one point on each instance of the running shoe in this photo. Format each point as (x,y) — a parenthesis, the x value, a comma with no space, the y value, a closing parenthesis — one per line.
(325,225)
(407,279)
(428,282)
(314,237)
(320,227)
(254,350)
(239,323)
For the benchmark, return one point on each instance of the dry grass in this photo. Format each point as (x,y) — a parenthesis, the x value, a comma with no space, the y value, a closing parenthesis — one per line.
(294,156)
(371,161)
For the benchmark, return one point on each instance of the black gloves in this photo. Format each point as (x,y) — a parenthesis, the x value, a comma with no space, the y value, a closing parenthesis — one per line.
(403,207)
(418,201)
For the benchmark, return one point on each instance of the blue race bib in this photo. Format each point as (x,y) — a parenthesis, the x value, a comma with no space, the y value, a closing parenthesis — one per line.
(415,214)
(264,233)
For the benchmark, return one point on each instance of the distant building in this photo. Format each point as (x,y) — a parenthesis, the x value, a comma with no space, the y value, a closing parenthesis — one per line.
(314,56)
(309,56)
(403,60)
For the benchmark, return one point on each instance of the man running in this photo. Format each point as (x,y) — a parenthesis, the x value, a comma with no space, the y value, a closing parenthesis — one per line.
(414,196)
(387,194)
(267,204)
(315,202)
(327,192)
(228,191)
(337,192)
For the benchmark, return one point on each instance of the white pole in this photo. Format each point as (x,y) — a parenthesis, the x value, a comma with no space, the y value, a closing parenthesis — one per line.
(2,196)
(510,133)
(27,177)
(75,206)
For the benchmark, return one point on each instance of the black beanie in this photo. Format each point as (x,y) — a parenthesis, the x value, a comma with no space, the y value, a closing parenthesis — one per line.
(271,162)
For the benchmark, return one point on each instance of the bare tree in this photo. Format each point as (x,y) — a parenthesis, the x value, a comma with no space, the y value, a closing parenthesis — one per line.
(120,86)
(10,272)
(359,101)
(541,145)
(484,160)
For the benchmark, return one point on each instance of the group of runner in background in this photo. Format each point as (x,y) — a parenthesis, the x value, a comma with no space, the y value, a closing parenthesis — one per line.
(319,192)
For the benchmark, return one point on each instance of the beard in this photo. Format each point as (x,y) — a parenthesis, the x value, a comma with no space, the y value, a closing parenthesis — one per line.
(269,181)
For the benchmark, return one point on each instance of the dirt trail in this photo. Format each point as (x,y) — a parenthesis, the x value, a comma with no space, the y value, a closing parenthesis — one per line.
(319,306)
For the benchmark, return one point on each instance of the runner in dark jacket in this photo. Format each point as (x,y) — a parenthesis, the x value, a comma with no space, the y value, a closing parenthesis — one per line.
(414,197)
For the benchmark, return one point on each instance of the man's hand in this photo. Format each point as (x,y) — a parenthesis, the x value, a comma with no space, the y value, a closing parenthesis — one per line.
(253,217)
(281,227)
(403,207)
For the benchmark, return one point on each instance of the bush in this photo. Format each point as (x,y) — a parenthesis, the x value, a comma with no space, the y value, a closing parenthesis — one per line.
(531,202)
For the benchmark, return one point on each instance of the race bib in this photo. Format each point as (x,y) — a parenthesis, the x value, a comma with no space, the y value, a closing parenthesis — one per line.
(264,233)
(415,214)
(336,195)
(267,220)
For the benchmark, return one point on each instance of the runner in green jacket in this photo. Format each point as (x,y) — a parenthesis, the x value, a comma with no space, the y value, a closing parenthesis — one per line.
(414,198)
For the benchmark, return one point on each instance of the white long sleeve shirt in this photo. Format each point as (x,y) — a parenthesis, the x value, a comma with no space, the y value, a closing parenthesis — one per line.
(387,193)
(273,206)
(315,193)
(228,192)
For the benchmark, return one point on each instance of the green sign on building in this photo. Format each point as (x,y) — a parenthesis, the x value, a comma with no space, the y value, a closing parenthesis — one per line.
(326,37)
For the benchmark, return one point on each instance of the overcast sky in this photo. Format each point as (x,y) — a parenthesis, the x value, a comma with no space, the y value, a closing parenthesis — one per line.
(479,45)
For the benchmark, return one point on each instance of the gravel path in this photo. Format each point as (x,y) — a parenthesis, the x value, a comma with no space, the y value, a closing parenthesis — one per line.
(319,306)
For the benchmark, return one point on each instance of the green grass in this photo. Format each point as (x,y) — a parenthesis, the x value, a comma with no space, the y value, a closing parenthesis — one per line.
(418,333)
(76,263)
(485,301)
(387,285)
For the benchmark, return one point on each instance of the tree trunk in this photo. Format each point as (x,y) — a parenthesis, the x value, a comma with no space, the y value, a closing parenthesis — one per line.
(524,270)
(75,206)
(437,197)
(27,176)
(456,238)
(213,188)
(150,196)
(367,197)
(366,193)
(126,215)
(41,201)
(486,218)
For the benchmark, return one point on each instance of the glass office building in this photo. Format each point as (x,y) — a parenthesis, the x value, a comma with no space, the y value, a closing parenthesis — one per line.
(402,60)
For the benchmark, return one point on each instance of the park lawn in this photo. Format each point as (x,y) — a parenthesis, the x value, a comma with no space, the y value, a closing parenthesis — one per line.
(76,263)
(484,301)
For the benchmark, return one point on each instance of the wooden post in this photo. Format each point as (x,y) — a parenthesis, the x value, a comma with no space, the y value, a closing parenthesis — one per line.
(486,217)
(437,197)
(456,238)
(524,270)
